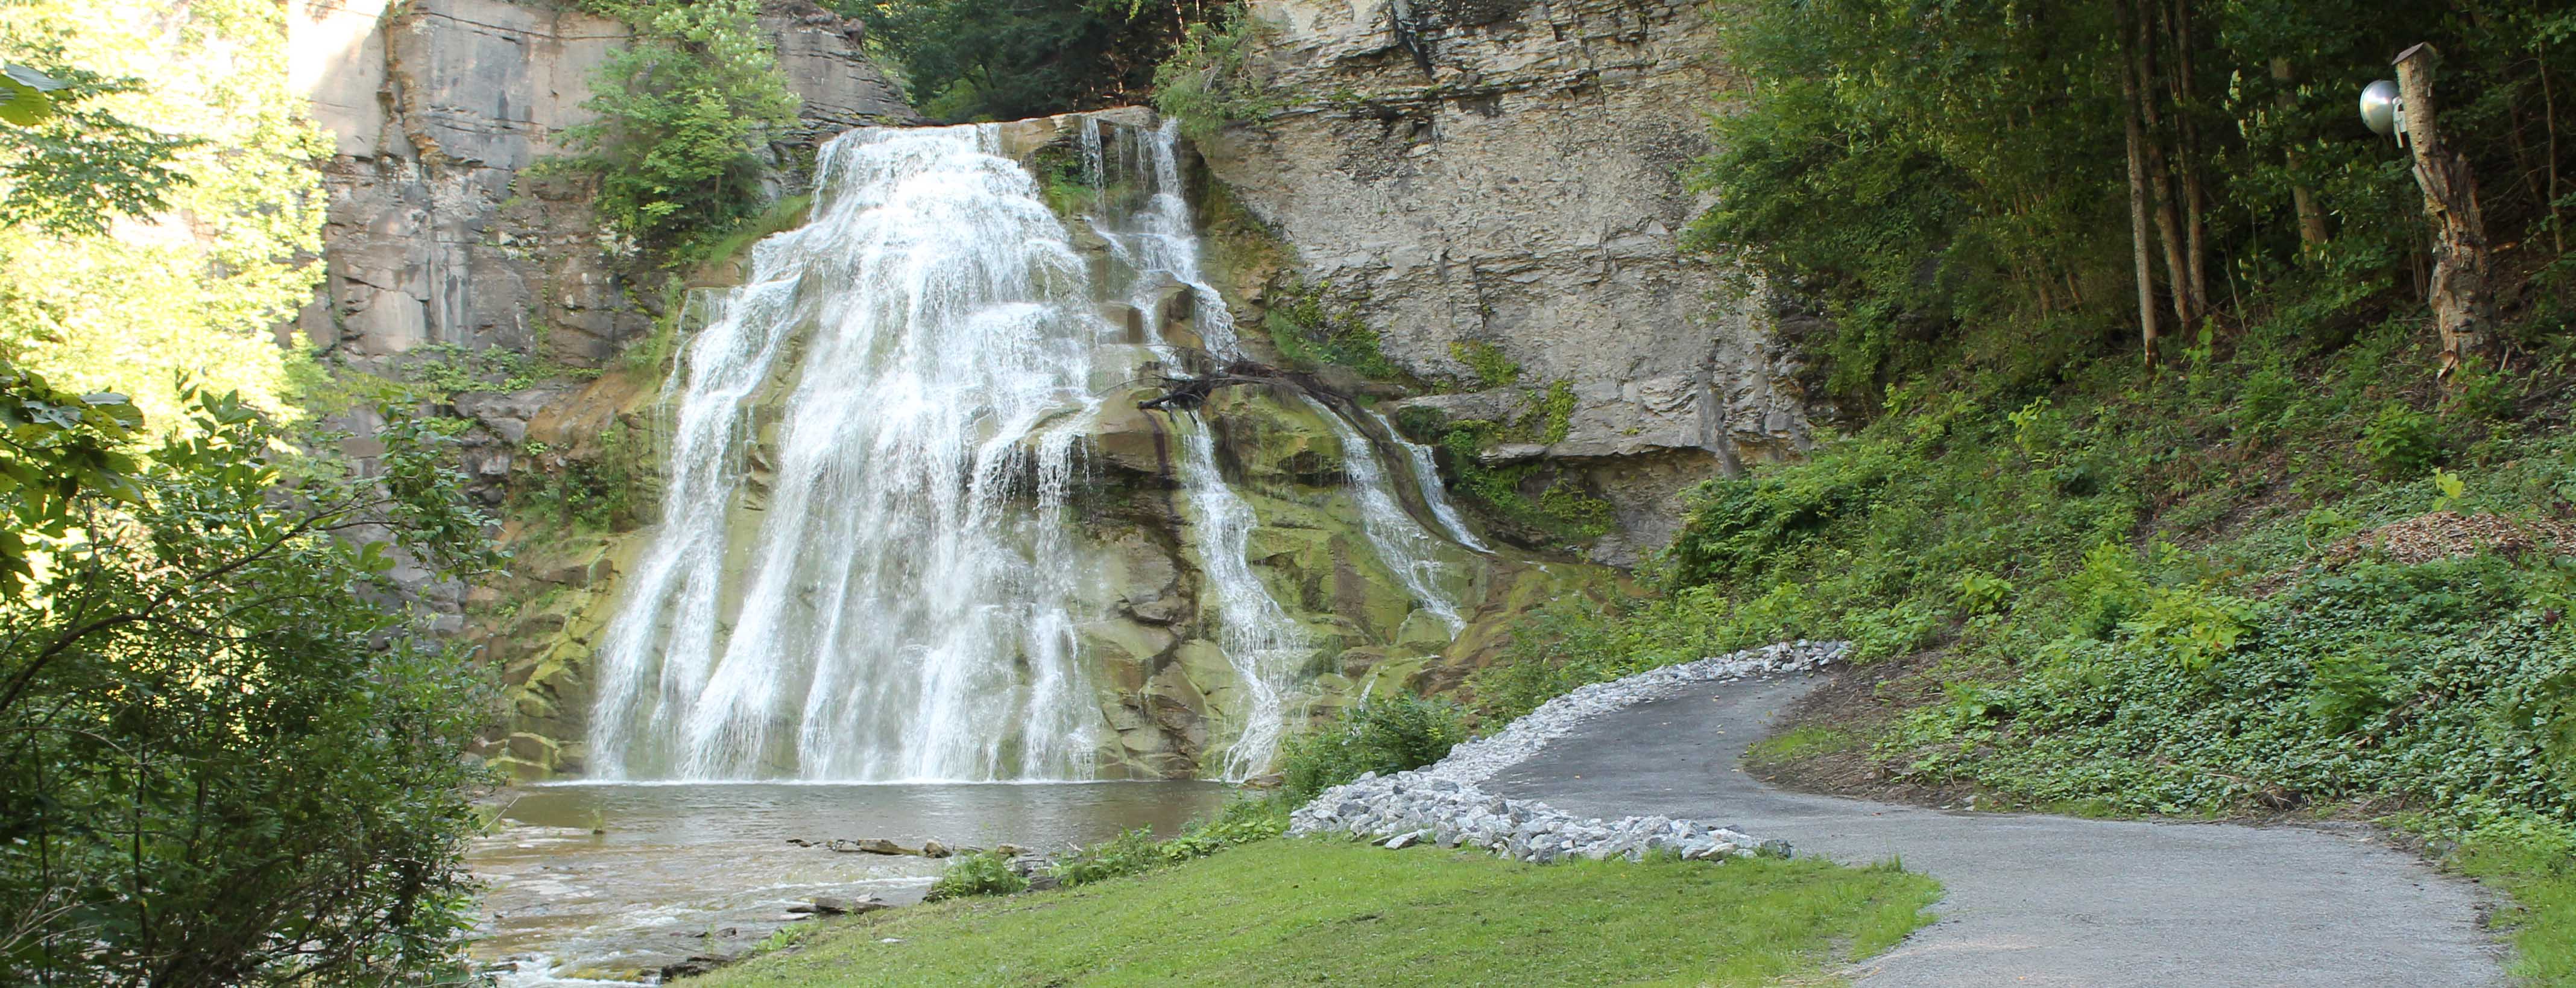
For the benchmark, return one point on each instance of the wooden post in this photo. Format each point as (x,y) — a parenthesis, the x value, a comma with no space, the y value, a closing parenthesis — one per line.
(2462,298)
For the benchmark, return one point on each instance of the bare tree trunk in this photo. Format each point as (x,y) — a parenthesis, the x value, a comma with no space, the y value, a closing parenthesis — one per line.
(2160,177)
(2462,298)
(2549,122)
(2187,162)
(2312,220)
(2146,272)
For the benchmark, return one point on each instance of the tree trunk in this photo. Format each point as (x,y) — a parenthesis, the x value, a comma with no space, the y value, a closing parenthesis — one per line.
(2187,159)
(2146,272)
(2312,220)
(2461,296)
(2160,177)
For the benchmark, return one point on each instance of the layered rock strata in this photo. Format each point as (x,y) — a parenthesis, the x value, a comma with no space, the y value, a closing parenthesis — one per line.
(1512,175)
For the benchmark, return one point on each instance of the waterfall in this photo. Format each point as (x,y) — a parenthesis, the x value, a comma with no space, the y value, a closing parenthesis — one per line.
(1164,242)
(1401,542)
(865,568)
(1263,645)
(1426,477)
(896,612)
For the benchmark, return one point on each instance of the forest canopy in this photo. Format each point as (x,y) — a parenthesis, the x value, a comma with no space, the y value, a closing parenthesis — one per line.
(1008,59)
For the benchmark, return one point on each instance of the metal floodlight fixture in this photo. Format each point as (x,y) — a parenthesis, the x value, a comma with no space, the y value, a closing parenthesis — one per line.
(2381,109)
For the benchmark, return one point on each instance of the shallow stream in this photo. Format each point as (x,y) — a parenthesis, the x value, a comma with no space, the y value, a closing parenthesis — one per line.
(676,869)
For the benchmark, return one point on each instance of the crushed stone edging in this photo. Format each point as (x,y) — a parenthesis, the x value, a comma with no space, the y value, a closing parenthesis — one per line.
(1440,804)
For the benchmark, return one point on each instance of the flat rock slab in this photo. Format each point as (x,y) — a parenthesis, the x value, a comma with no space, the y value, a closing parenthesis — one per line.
(2044,900)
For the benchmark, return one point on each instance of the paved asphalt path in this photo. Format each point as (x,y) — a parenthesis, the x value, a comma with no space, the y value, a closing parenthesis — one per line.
(2044,900)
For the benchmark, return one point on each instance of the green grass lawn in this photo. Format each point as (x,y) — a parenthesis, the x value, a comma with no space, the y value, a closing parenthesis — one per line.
(1313,911)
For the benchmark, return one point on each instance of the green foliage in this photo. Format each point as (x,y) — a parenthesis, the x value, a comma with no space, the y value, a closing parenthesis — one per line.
(2401,442)
(67,165)
(1301,911)
(1969,206)
(442,371)
(1203,82)
(1535,502)
(682,117)
(1309,333)
(1382,735)
(598,492)
(1243,820)
(1983,593)
(56,447)
(231,763)
(1488,361)
(205,167)
(967,60)
(977,873)
(1131,852)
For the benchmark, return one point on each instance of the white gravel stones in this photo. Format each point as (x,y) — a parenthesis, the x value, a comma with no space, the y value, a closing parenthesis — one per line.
(1440,803)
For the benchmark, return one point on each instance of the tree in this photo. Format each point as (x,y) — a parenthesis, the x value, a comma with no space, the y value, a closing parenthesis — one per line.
(1007,59)
(225,757)
(682,116)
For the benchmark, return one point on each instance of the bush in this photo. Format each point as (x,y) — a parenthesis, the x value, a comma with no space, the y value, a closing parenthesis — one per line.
(229,761)
(1132,852)
(977,873)
(2401,442)
(683,115)
(1389,734)
(1203,82)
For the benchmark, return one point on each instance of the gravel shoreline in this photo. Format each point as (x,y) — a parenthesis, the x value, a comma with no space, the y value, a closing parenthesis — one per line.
(1439,804)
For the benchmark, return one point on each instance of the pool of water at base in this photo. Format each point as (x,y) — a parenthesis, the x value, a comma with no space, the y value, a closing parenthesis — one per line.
(605,883)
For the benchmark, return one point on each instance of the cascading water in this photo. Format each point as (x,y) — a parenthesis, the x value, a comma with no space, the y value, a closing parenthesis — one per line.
(894,614)
(1262,643)
(1400,541)
(1426,476)
(863,569)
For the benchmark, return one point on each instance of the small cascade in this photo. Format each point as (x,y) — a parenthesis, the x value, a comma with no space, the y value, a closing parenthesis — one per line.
(1401,542)
(1161,241)
(1261,642)
(1263,645)
(1426,477)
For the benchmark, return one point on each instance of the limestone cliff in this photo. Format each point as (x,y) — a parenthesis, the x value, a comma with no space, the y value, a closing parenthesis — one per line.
(438,233)
(1509,174)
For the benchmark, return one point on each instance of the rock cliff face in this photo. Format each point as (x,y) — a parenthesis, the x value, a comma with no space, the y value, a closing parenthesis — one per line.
(436,233)
(1509,174)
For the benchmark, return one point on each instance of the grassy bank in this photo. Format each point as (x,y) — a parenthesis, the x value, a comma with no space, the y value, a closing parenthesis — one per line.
(1285,911)
(2292,576)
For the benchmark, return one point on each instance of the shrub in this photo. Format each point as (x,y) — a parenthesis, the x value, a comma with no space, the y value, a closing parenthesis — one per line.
(1203,81)
(682,116)
(2401,442)
(1382,735)
(229,761)
(1309,333)
(977,873)
(1131,852)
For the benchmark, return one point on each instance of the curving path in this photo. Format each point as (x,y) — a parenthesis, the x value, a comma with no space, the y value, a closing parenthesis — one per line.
(2044,900)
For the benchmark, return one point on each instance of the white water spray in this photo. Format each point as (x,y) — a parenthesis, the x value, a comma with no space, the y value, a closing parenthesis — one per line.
(1401,542)
(1426,478)
(898,608)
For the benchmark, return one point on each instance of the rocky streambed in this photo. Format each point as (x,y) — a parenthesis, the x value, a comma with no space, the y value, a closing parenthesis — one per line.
(1440,804)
